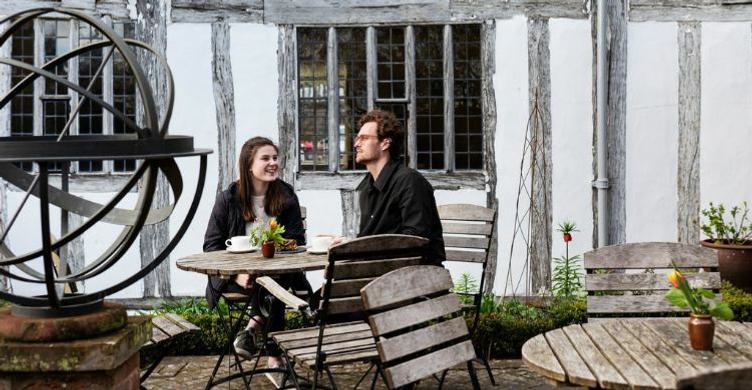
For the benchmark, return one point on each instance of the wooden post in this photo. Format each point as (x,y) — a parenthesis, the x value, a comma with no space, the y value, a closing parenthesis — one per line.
(448,99)
(616,119)
(688,175)
(151,28)
(5,72)
(224,101)
(350,213)
(488,100)
(539,88)
(332,108)
(286,103)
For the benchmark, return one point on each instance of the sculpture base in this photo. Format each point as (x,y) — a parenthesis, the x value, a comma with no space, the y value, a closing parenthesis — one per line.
(108,361)
(109,318)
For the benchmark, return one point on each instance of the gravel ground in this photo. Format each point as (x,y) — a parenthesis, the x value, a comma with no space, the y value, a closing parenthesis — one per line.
(191,372)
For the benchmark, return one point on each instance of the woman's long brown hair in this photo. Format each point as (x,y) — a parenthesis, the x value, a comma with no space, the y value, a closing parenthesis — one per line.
(275,197)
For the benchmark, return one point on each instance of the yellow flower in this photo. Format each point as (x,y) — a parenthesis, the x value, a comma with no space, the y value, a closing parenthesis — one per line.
(273,224)
(674,277)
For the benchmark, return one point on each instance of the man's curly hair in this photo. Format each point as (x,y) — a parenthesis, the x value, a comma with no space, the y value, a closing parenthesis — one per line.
(387,126)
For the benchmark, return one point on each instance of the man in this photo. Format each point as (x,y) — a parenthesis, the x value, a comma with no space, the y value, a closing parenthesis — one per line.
(394,198)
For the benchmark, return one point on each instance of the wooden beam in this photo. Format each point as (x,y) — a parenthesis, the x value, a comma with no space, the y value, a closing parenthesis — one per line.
(210,11)
(313,12)
(539,89)
(349,180)
(224,102)
(73,253)
(690,10)
(118,9)
(688,174)
(107,92)
(151,28)
(371,66)
(448,100)
(350,213)
(287,102)
(5,72)
(412,108)
(468,10)
(89,183)
(616,119)
(332,108)
(488,102)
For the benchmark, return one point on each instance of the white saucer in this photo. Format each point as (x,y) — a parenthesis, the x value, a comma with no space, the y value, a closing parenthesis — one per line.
(247,250)
(317,252)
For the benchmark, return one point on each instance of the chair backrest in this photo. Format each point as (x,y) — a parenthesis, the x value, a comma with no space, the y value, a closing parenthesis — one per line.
(737,376)
(614,289)
(355,263)
(417,323)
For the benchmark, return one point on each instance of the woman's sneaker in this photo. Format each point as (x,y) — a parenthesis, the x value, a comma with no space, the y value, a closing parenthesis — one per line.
(245,343)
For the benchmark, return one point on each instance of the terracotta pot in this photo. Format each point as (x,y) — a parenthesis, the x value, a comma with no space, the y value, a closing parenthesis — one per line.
(267,249)
(734,263)
(701,330)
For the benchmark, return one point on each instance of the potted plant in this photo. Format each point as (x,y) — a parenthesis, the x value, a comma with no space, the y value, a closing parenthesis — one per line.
(267,236)
(702,308)
(732,240)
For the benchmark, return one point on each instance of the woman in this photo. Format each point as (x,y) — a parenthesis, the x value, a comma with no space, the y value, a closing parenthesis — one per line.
(253,199)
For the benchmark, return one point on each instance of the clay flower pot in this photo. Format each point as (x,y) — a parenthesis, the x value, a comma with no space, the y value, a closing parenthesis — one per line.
(701,330)
(267,249)
(734,262)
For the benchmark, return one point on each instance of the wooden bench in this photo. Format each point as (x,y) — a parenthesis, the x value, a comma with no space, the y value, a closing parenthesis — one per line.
(165,328)
(614,292)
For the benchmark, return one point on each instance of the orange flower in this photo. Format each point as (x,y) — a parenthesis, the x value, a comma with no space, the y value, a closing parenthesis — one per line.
(675,277)
(273,224)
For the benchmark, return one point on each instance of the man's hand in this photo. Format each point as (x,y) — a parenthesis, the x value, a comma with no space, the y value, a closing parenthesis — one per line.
(244,280)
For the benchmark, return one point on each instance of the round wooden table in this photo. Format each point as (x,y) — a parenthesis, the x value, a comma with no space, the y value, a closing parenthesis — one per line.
(225,264)
(633,353)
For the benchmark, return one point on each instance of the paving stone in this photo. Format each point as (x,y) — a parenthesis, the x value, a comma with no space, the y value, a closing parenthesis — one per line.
(194,371)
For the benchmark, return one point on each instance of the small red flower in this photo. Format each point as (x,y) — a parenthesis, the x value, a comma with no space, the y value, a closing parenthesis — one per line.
(567,237)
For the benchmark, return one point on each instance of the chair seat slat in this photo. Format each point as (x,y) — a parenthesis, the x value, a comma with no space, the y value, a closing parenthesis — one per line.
(630,304)
(465,212)
(483,229)
(413,282)
(421,339)
(414,314)
(467,256)
(167,326)
(466,242)
(371,268)
(650,255)
(423,366)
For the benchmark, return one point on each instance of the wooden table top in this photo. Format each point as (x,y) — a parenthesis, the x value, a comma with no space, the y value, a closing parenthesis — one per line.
(633,353)
(225,264)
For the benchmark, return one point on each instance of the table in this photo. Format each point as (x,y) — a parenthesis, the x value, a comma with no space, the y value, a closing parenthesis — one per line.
(632,353)
(226,265)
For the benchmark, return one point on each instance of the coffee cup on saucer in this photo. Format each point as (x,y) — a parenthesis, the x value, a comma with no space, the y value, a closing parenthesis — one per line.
(239,244)
(320,244)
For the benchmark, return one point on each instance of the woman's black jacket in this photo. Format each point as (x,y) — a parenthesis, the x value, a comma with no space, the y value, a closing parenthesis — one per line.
(227,221)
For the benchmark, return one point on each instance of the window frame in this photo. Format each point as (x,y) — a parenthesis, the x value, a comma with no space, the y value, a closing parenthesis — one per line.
(107,179)
(336,179)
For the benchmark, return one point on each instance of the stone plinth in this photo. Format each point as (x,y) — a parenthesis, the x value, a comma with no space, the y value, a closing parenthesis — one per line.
(108,361)
(110,317)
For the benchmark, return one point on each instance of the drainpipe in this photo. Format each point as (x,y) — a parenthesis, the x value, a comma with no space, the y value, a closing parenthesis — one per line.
(601,183)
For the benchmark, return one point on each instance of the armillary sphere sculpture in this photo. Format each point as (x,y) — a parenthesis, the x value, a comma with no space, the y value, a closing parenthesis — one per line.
(149,143)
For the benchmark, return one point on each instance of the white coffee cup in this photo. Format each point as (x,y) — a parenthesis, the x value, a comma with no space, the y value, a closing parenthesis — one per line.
(239,243)
(321,243)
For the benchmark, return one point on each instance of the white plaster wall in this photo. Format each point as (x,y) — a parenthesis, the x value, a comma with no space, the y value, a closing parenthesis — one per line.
(571,132)
(189,56)
(652,132)
(511,90)
(726,130)
(254,70)
(324,216)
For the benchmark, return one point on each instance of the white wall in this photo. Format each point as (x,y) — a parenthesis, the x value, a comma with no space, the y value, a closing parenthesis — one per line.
(571,132)
(511,89)
(652,132)
(726,134)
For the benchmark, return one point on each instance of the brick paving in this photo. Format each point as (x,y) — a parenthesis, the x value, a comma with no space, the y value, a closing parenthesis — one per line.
(191,372)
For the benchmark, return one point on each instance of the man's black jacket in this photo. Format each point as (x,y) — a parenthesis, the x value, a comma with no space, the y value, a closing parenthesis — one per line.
(401,201)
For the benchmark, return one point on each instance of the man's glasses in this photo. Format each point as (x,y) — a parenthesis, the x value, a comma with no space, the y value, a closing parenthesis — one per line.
(363,137)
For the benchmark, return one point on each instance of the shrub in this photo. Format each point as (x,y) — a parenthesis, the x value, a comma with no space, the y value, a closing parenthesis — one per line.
(739,301)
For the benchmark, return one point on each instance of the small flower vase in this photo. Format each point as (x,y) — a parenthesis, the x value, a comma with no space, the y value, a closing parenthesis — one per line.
(267,249)
(701,330)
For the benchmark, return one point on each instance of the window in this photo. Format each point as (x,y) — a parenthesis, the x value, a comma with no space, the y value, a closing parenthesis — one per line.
(45,109)
(409,68)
